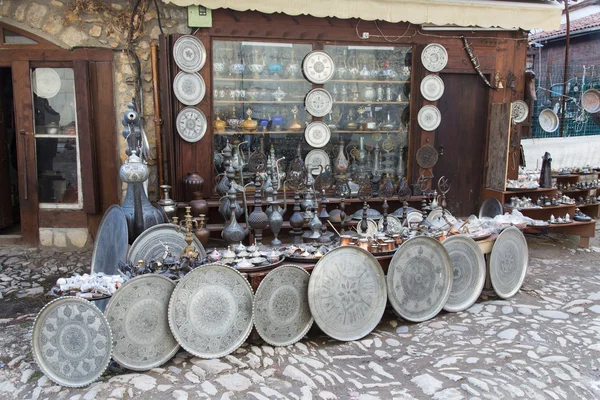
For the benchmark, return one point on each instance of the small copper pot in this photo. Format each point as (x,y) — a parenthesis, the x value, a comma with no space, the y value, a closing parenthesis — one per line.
(363,243)
(375,247)
(390,245)
(346,240)
(397,239)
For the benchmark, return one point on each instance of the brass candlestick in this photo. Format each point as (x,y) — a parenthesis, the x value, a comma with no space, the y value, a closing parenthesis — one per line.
(188,224)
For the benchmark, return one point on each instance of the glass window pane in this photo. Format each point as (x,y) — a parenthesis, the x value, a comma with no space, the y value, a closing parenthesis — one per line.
(11,37)
(263,82)
(57,142)
(54,100)
(371,92)
(57,163)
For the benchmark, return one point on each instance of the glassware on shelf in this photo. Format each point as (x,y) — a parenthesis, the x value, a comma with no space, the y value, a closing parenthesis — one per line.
(294,124)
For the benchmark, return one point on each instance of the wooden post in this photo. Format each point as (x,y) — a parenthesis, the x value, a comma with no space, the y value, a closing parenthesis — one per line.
(157,117)
(566,71)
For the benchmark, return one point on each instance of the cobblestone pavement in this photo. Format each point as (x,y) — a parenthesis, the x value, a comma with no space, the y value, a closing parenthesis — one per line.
(544,343)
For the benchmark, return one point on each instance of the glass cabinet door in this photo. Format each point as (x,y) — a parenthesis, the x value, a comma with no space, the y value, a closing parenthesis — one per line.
(258,98)
(370,114)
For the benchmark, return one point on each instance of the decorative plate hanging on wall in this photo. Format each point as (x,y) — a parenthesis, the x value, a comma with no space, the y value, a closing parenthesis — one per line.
(432,87)
(189,53)
(191,124)
(318,67)
(434,57)
(189,88)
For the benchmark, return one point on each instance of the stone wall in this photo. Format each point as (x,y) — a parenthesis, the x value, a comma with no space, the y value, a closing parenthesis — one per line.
(49,20)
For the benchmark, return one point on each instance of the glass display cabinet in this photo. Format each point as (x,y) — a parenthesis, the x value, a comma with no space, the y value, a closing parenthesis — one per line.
(261,104)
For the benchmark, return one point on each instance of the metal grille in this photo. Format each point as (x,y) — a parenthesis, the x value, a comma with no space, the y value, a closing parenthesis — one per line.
(549,86)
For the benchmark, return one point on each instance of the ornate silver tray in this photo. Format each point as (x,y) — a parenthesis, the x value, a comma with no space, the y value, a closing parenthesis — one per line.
(432,87)
(346,293)
(548,120)
(429,118)
(189,53)
(138,317)
(317,134)
(189,88)
(520,111)
(468,265)
(191,124)
(434,57)
(71,342)
(508,262)
(490,208)
(210,311)
(314,158)
(152,243)
(318,102)
(372,228)
(111,241)
(419,279)
(281,312)
(318,67)
(394,225)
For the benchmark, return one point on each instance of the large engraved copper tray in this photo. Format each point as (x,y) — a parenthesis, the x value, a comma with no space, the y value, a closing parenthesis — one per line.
(138,317)
(281,312)
(210,311)
(419,279)
(346,293)
(71,342)
(508,263)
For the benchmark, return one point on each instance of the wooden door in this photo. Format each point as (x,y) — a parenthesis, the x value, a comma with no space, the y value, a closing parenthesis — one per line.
(6,208)
(464,111)
(26,157)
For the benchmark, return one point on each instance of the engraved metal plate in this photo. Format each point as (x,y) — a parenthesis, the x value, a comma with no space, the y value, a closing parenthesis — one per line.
(419,279)
(468,265)
(318,102)
(508,263)
(71,342)
(191,124)
(346,293)
(111,242)
(317,134)
(281,312)
(210,311)
(318,67)
(490,208)
(372,228)
(548,120)
(314,158)
(45,82)
(434,57)
(432,87)
(427,156)
(429,117)
(151,244)
(138,317)
(394,225)
(189,53)
(520,111)
(189,88)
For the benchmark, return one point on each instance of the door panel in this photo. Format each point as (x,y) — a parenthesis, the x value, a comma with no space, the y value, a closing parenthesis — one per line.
(28,194)
(6,208)
(462,135)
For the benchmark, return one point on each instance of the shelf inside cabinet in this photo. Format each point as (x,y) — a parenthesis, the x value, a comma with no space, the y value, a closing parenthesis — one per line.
(280,80)
(258,132)
(258,102)
(370,102)
(364,81)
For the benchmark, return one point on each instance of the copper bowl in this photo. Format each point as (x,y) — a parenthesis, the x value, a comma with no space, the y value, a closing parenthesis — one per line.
(363,243)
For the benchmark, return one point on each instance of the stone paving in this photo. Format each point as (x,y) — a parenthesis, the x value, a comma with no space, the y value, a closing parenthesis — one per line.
(544,343)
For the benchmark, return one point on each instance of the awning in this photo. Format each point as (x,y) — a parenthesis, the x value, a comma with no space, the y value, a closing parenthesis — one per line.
(525,14)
